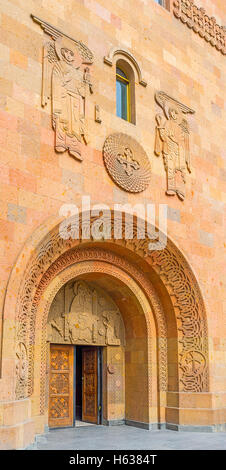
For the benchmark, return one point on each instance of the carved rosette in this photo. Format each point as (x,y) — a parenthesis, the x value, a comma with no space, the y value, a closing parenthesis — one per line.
(127,163)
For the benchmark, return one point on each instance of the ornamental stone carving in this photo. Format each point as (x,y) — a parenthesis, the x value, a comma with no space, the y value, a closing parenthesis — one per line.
(177,277)
(88,317)
(193,363)
(127,163)
(21,369)
(113,261)
(192,332)
(197,19)
(172,142)
(66,82)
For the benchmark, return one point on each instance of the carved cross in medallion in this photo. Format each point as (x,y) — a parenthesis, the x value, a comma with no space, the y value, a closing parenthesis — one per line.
(127,160)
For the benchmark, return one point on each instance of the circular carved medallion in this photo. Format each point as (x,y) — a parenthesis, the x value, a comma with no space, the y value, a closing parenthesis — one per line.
(127,163)
(193,362)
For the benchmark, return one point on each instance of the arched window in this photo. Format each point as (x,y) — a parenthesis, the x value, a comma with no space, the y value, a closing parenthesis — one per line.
(125,91)
(126,72)
(122,95)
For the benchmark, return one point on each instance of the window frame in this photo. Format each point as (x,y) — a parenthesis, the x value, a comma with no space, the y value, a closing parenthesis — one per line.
(164,3)
(126,81)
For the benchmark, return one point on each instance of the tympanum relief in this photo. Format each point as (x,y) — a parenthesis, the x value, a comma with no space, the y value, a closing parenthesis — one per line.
(81,314)
(172,142)
(67,83)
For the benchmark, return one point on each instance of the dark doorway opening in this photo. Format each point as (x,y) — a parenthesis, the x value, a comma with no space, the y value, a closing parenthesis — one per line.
(88,385)
(78,387)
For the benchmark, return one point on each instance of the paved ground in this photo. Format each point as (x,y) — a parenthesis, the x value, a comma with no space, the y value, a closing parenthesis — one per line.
(126,437)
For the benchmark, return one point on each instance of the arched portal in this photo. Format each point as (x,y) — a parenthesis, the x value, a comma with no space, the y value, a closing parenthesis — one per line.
(86,324)
(129,351)
(163,313)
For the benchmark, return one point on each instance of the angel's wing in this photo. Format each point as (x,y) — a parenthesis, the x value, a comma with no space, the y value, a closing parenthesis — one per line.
(49,59)
(85,53)
(185,130)
(161,99)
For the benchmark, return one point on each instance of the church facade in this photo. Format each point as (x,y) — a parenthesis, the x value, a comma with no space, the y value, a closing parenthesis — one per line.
(112,216)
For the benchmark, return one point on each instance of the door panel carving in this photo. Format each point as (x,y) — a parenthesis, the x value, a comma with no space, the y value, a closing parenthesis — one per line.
(90,383)
(61,386)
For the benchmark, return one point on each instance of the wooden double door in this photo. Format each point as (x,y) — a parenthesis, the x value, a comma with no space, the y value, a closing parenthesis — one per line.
(75,385)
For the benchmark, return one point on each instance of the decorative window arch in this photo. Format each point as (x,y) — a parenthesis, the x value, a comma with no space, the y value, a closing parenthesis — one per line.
(125,91)
(128,72)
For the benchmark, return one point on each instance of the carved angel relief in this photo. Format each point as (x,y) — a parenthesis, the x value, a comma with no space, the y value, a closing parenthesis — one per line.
(67,83)
(81,315)
(172,142)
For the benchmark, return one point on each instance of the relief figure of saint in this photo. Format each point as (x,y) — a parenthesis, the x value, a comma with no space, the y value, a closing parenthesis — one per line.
(67,82)
(80,318)
(172,141)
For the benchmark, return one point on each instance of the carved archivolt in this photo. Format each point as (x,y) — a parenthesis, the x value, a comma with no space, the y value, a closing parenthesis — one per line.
(127,163)
(192,327)
(81,255)
(78,263)
(197,19)
(172,141)
(172,269)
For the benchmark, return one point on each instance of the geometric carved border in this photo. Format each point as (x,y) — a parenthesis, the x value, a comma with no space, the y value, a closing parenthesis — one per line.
(197,19)
(192,332)
(178,278)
